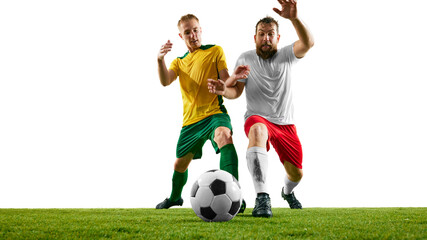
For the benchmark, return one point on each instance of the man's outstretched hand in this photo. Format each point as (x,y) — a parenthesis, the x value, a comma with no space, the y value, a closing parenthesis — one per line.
(167,47)
(289,9)
(241,72)
(216,86)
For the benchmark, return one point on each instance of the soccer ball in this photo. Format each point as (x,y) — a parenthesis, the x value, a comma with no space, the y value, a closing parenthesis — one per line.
(216,196)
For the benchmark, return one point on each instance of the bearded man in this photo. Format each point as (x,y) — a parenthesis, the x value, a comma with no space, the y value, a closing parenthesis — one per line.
(269,115)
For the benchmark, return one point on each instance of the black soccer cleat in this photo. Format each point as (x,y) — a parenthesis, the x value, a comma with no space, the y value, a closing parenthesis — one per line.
(168,203)
(292,200)
(242,207)
(262,206)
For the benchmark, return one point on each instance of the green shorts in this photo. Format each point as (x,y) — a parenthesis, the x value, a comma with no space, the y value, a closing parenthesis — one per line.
(194,136)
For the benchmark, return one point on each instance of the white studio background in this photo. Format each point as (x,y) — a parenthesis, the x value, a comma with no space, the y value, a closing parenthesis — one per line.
(84,121)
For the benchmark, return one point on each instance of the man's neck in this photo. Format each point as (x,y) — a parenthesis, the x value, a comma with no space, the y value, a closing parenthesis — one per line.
(191,50)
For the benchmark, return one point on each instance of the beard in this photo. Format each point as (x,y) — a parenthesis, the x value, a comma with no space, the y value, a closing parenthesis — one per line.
(265,54)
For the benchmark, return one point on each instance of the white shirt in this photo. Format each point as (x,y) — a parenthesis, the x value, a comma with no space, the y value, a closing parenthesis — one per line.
(268,86)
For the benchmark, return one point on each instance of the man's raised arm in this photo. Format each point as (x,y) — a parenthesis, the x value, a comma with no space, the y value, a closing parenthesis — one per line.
(306,41)
(166,76)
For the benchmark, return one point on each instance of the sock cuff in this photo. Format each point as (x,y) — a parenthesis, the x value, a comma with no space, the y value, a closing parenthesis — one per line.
(257,150)
(227,146)
(289,181)
(180,173)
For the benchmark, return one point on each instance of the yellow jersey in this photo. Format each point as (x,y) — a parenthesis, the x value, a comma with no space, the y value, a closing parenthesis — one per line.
(194,69)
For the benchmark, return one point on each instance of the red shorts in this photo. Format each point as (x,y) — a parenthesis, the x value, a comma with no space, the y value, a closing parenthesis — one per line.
(284,139)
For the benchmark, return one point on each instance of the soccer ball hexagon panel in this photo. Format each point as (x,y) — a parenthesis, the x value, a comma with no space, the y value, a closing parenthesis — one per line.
(216,196)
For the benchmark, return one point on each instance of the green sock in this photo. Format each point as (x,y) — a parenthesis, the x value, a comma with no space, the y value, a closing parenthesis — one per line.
(178,182)
(228,161)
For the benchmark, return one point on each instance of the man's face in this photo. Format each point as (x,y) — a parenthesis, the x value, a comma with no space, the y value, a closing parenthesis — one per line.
(191,33)
(266,40)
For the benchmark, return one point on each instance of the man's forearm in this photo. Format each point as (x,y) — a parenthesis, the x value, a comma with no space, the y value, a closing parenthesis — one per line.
(163,72)
(231,93)
(231,81)
(234,90)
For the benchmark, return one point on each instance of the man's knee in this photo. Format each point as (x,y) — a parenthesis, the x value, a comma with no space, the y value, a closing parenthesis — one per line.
(223,136)
(258,132)
(296,175)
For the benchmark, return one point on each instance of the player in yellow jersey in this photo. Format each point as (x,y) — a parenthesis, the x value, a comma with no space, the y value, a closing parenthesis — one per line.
(205,117)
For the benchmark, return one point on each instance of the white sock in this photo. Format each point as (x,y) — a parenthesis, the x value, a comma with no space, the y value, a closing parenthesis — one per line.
(289,186)
(257,160)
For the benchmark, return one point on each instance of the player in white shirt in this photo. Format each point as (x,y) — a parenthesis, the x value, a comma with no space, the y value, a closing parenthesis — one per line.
(269,115)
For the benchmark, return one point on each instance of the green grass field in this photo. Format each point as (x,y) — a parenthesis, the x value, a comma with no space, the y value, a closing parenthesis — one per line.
(182,223)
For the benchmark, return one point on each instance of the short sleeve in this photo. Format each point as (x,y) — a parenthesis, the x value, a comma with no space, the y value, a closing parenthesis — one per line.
(221,62)
(287,54)
(174,66)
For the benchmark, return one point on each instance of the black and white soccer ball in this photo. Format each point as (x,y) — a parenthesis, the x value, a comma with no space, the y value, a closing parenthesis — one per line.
(216,196)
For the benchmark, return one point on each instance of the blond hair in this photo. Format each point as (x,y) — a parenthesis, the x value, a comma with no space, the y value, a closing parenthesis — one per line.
(186,18)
